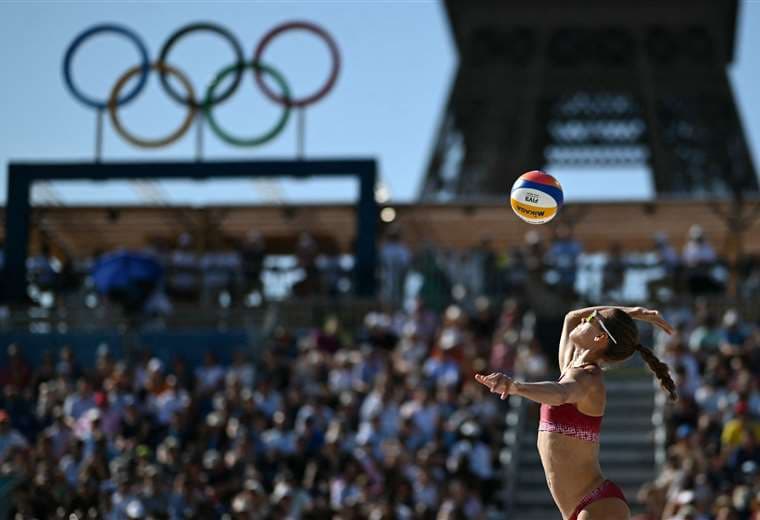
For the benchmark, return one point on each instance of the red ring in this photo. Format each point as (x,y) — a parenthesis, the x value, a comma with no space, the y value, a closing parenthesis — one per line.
(319,94)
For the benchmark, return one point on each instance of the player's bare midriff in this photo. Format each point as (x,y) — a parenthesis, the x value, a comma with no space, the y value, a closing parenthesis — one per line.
(571,466)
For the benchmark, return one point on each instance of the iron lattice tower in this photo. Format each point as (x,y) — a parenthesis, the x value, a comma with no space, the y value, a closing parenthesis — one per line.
(598,83)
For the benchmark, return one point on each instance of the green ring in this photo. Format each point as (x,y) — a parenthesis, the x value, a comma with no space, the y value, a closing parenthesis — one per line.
(252,141)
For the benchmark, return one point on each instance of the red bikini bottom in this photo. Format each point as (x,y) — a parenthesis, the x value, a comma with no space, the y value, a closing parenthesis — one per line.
(606,489)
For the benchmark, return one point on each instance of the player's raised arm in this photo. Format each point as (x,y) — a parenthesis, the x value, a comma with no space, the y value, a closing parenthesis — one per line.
(566,346)
(574,318)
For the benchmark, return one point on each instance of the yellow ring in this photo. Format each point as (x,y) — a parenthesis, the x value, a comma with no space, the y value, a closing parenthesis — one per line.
(151,143)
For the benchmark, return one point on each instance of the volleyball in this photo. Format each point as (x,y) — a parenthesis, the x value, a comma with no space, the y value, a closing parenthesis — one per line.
(536,197)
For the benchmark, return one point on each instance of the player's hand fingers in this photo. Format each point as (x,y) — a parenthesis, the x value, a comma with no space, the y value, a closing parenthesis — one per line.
(486,380)
(494,381)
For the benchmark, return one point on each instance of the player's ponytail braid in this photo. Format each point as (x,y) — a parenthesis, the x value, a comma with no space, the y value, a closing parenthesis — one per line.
(660,370)
(626,333)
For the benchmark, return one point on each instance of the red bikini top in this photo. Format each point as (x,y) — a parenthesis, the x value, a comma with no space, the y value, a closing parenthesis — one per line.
(568,415)
(568,420)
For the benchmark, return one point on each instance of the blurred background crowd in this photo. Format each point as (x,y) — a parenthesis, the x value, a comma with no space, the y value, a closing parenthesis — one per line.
(712,461)
(347,399)
(166,277)
(379,421)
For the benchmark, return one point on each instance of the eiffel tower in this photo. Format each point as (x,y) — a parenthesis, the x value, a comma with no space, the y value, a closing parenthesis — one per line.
(592,83)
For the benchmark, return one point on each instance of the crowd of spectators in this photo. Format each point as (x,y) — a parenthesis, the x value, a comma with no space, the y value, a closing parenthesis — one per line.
(229,273)
(383,422)
(559,262)
(712,463)
(380,422)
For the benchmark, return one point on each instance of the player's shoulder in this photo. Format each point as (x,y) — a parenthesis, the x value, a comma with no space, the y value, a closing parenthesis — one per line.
(591,369)
(589,375)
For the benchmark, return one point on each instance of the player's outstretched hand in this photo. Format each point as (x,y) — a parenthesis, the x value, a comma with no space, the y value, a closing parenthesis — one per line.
(652,316)
(497,383)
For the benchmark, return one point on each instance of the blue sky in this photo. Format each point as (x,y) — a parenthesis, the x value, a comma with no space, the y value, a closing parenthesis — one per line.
(398,64)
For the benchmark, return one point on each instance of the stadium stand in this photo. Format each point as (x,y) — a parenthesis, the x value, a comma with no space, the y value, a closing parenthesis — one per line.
(291,423)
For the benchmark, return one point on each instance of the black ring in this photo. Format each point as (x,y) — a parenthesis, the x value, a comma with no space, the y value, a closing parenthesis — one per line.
(175,37)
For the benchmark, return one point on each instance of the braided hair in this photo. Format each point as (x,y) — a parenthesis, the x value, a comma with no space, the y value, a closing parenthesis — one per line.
(625,331)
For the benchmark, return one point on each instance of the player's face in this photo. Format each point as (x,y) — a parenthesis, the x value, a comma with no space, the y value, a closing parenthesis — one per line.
(589,333)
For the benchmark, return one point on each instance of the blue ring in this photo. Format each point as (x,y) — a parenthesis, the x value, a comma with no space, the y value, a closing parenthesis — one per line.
(80,39)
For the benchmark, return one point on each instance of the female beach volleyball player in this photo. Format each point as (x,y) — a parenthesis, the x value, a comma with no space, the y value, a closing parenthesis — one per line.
(572,408)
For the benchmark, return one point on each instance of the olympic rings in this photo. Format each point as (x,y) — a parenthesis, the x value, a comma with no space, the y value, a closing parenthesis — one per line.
(116,99)
(151,143)
(92,31)
(221,31)
(319,94)
(251,141)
